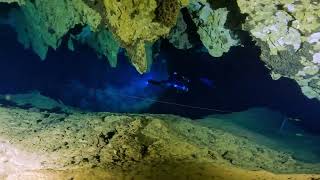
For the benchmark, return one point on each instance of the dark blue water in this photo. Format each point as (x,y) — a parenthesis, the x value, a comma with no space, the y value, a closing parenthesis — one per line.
(239,81)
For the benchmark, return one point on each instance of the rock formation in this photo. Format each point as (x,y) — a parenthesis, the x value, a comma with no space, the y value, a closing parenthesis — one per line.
(287,31)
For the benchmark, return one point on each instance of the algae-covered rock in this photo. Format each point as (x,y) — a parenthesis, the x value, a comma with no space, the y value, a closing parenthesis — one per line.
(146,145)
(214,36)
(178,36)
(105,44)
(137,23)
(288,33)
(127,141)
(167,12)
(40,24)
(278,34)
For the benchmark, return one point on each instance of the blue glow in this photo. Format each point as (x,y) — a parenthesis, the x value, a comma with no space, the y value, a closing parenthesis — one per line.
(178,86)
(124,89)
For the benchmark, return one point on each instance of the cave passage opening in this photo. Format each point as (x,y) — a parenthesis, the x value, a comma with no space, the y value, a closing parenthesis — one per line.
(234,82)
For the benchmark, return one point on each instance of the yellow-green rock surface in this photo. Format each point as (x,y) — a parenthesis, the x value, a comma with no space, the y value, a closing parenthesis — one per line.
(41,24)
(130,145)
(288,33)
(211,28)
(136,24)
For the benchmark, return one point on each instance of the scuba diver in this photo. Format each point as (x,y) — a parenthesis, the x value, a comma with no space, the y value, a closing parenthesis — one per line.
(181,83)
(175,81)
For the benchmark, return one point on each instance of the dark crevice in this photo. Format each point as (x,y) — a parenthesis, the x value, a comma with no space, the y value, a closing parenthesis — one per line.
(193,36)
(107,136)
(235,17)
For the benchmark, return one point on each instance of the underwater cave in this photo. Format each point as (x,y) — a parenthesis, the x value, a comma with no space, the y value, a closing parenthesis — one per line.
(222,90)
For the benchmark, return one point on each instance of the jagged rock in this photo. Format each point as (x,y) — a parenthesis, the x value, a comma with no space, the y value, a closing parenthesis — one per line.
(287,32)
(41,25)
(214,36)
(178,36)
(138,24)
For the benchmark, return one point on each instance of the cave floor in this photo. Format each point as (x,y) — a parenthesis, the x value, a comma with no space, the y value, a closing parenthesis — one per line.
(43,139)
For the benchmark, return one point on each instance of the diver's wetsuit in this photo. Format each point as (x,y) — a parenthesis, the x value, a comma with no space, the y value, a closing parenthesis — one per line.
(180,83)
(154,82)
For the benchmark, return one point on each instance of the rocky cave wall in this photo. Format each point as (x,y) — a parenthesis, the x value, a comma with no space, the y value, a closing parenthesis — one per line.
(288,32)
